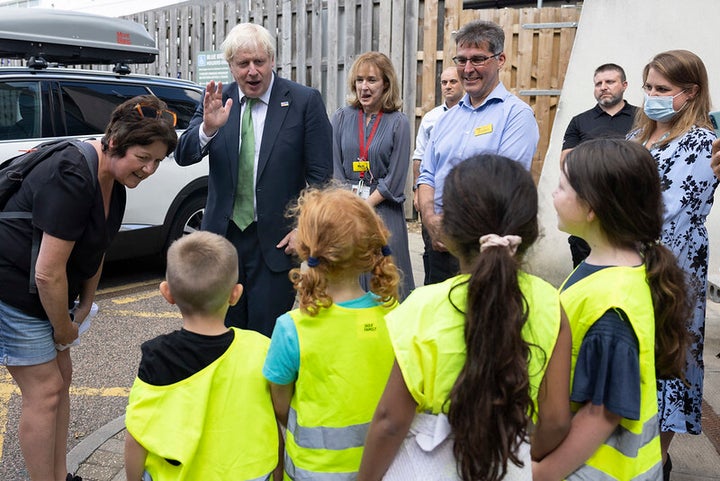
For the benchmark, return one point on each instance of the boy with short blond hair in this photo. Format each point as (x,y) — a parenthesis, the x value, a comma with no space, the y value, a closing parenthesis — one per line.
(200,407)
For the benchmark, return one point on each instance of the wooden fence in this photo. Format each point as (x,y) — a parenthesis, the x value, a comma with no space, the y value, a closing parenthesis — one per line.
(538,43)
(317,41)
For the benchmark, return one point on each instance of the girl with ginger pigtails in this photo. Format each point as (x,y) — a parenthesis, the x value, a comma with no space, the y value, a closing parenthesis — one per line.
(329,359)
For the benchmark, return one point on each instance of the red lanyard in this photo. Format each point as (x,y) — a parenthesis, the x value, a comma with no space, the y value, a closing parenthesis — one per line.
(361,134)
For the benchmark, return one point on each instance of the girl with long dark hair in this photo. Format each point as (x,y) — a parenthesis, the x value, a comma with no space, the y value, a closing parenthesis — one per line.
(481,355)
(628,306)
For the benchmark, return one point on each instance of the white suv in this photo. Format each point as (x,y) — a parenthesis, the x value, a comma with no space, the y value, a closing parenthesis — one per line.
(38,104)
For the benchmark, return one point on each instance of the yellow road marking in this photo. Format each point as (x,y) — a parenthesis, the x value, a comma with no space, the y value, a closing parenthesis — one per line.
(150,315)
(129,299)
(7,389)
(102,391)
(4,403)
(125,287)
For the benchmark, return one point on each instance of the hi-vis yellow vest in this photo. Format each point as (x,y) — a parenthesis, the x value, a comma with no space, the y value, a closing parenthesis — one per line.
(218,424)
(345,362)
(632,452)
(428,336)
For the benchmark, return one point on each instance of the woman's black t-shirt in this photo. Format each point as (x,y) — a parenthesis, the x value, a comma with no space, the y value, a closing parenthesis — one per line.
(66,202)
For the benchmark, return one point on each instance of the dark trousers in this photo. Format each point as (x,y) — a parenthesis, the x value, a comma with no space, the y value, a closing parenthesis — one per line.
(439,265)
(579,249)
(266,294)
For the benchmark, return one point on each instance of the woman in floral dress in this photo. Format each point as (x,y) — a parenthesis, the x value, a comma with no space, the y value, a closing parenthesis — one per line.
(675,127)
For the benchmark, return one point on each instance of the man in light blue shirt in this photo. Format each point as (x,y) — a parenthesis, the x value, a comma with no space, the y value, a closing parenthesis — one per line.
(488,119)
(452,92)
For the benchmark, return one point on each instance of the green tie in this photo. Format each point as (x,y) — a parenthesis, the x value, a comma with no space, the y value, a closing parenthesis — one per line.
(243,211)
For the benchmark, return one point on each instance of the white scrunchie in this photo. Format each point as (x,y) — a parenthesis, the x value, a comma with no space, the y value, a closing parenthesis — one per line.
(493,240)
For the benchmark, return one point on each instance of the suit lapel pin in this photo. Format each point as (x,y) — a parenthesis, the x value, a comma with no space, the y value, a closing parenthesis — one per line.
(284,104)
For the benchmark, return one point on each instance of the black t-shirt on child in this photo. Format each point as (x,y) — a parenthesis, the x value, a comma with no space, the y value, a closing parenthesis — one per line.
(172,357)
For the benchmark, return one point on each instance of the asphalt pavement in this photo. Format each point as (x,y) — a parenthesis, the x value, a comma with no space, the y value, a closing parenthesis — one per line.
(99,456)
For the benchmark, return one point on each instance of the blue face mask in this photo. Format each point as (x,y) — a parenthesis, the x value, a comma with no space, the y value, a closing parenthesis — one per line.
(660,108)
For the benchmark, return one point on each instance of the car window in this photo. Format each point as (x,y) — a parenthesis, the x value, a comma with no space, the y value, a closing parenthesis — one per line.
(20,110)
(181,101)
(88,105)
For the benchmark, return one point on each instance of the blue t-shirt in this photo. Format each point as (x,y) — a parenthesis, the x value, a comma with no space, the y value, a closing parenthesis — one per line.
(607,370)
(283,358)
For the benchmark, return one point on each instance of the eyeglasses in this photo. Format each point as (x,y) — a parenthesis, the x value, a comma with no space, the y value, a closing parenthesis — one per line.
(475,61)
(147,111)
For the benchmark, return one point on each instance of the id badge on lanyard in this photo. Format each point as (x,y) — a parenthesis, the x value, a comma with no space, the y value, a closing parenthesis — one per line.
(362,164)
(360,188)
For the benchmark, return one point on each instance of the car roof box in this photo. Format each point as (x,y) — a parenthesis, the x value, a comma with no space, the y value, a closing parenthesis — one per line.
(73,38)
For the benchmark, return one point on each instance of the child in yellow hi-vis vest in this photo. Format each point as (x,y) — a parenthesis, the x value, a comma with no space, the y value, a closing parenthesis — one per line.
(200,407)
(627,306)
(480,355)
(329,360)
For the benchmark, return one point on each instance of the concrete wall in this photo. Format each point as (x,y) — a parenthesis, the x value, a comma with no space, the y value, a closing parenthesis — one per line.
(629,33)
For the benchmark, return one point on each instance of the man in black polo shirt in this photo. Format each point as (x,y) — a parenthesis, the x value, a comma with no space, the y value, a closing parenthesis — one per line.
(612,116)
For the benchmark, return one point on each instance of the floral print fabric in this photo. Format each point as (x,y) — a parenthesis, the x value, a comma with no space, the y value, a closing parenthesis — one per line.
(688,186)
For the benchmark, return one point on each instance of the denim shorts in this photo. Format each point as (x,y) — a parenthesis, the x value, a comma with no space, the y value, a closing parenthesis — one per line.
(24,340)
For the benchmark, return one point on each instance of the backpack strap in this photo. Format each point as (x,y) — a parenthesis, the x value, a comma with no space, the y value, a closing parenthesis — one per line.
(89,154)
(33,157)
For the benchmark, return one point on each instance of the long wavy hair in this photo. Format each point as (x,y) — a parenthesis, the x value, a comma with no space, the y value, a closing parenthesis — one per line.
(343,233)
(619,181)
(686,70)
(490,403)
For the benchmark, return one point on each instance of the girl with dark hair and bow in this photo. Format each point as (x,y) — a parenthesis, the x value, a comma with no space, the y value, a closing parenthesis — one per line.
(329,359)
(481,374)
(627,304)
(674,125)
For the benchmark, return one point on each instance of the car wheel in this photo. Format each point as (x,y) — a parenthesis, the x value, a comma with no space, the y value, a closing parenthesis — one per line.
(188,219)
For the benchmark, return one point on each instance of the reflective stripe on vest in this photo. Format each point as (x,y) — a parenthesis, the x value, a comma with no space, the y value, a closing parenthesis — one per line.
(629,443)
(299,474)
(589,473)
(325,437)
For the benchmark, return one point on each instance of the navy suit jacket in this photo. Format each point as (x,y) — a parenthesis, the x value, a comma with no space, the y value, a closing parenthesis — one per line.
(296,150)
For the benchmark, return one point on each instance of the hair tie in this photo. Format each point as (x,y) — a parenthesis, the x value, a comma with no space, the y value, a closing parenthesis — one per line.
(313,261)
(386,250)
(493,240)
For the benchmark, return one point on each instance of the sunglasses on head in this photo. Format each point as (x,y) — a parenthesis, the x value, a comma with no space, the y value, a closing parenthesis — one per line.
(151,112)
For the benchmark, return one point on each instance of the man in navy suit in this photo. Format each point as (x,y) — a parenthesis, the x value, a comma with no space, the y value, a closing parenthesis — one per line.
(292,148)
